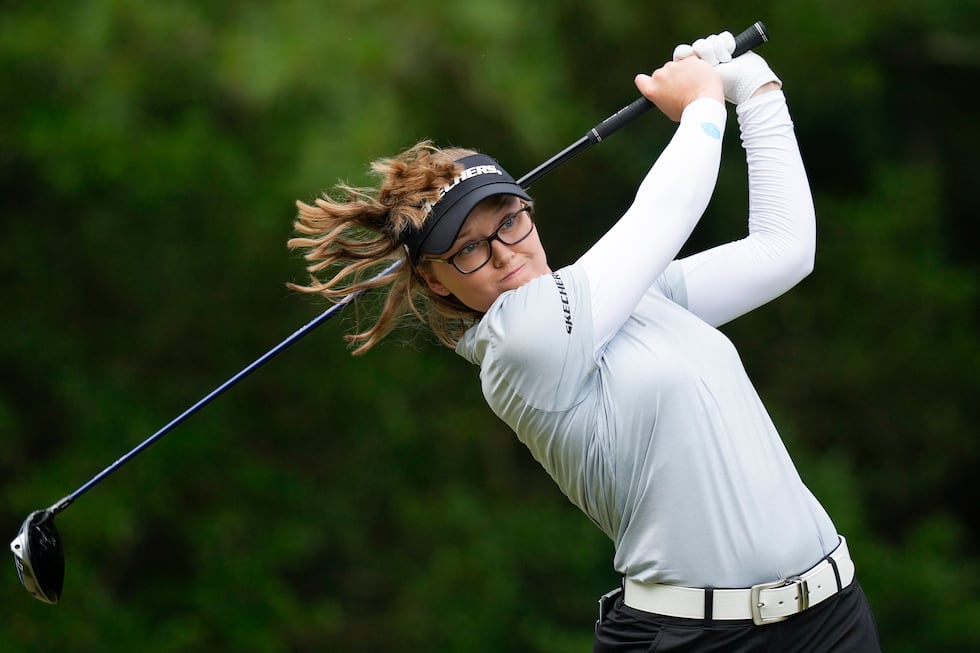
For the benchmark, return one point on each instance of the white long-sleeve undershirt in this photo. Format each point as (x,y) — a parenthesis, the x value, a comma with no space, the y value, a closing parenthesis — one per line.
(729,280)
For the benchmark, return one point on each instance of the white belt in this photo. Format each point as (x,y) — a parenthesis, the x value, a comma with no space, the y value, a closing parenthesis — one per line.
(764,603)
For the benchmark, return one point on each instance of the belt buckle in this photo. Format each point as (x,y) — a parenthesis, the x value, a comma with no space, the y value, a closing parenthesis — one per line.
(756,605)
(606,602)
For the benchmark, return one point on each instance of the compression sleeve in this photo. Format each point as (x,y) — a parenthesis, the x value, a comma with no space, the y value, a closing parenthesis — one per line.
(625,262)
(732,279)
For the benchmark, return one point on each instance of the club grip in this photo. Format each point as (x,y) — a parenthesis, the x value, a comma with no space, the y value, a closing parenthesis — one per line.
(754,36)
(745,40)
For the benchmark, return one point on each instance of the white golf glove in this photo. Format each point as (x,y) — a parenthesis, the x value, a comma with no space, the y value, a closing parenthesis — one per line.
(741,76)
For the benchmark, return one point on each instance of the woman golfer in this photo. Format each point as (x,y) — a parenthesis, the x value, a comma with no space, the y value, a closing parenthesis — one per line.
(611,370)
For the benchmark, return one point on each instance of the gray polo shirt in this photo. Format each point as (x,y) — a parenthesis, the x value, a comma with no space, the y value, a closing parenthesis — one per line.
(660,438)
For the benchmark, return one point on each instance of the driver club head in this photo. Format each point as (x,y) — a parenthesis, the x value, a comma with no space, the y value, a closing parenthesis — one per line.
(40,557)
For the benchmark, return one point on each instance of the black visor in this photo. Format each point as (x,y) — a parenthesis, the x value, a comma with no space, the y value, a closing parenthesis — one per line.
(482,177)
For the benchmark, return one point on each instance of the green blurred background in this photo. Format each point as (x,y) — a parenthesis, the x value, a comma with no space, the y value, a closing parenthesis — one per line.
(150,155)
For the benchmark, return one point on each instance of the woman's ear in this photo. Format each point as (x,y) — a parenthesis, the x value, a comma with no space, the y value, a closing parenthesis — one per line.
(431,281)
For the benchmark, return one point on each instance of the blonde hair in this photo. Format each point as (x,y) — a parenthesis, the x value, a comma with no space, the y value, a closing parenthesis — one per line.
(350,238)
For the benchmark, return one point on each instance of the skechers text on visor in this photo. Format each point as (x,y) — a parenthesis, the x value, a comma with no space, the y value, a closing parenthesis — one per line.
(482,177)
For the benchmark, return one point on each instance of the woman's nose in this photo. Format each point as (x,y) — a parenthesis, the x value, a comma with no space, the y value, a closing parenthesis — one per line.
(500,252)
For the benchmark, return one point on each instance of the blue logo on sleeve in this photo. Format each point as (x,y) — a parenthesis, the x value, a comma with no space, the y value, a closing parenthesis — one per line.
(711,129)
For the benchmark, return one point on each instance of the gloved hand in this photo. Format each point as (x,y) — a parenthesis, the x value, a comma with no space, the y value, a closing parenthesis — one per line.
(714,49)
(741,77)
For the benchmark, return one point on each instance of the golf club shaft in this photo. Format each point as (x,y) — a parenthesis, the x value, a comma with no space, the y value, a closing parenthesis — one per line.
(746,40)
(755,35)
(214,394)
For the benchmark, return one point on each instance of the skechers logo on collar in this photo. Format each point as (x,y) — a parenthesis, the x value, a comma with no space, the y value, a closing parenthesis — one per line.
(564,301)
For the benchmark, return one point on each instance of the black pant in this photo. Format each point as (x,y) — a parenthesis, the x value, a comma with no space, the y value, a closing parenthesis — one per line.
(841,624)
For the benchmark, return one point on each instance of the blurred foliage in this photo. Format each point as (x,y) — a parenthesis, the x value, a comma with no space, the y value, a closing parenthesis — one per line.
(149,157)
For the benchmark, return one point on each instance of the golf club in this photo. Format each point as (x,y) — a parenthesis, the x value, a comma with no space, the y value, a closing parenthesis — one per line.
(37,548)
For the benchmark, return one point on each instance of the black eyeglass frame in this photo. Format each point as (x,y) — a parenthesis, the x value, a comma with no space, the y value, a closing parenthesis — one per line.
(451,259)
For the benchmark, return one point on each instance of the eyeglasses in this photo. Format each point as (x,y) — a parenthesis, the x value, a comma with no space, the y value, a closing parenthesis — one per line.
(474,255)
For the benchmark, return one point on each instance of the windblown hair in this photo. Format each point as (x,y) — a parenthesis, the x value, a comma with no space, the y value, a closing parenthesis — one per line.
(351,236)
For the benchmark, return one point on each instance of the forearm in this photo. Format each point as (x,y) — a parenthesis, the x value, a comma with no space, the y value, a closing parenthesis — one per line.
(626,261)
(732,279)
